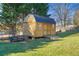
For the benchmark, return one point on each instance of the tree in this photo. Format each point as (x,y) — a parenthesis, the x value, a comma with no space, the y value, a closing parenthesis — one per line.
(9,17)
(76,18)
(62,12)
(41,8)
(11,12)
(24,9)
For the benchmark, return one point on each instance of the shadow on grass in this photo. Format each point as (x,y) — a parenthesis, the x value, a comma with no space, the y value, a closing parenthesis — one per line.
(8,48)
(68,33)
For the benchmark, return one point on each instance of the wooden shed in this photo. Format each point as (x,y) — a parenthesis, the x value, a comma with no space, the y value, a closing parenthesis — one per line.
(38,26)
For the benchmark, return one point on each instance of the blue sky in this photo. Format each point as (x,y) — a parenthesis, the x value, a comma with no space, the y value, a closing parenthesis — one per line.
(71,6)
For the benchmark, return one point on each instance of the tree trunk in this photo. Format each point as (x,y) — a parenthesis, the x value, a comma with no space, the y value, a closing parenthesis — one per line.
(65,25)
(12,30)
(61,25)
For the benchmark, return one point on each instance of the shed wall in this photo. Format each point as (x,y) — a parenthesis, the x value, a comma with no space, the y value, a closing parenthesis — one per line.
(37,29)
(44,29)
(29,26)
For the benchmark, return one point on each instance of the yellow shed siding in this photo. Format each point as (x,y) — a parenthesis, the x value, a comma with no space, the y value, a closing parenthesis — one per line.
(44,29)
(26,30)
(37,29)
(29,26)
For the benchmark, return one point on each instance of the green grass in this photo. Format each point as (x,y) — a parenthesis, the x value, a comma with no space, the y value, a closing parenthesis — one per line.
(68,45)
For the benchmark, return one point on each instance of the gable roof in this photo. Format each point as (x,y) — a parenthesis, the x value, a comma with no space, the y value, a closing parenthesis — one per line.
(44,19)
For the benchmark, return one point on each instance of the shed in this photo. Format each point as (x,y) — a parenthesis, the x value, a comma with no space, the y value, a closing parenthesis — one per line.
(38,26)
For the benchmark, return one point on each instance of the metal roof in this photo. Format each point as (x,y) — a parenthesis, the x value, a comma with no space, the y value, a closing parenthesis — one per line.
(44,19)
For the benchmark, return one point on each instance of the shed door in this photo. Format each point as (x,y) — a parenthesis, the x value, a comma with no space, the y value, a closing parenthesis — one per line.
(26,29)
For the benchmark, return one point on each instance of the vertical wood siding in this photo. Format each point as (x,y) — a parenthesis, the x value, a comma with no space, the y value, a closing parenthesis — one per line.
(44,29)
(37,29)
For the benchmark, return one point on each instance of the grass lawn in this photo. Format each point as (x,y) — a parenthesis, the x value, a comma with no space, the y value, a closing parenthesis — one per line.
(67,45)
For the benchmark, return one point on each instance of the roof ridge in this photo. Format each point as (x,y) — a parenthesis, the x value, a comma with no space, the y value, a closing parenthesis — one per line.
(44,19)
(42,16)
